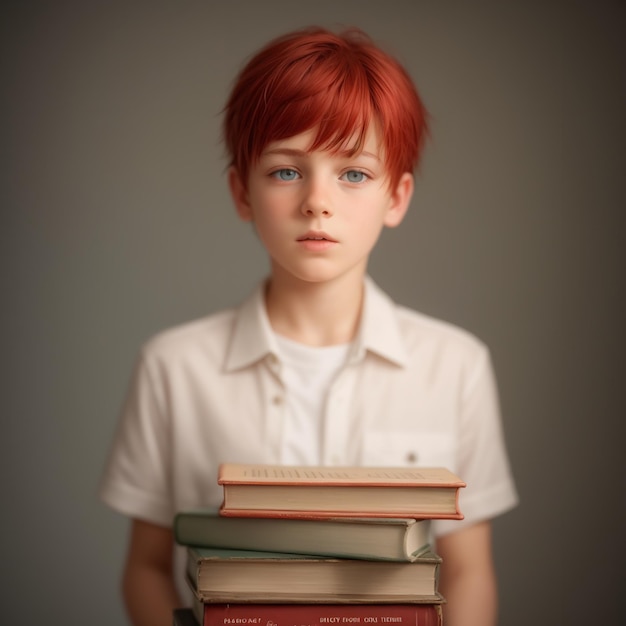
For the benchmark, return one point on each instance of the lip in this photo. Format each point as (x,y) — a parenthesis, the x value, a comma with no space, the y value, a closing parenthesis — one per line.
(316,241)
(316,235)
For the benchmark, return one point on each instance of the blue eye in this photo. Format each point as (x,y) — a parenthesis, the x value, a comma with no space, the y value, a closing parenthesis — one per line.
(355,176)
(285,174)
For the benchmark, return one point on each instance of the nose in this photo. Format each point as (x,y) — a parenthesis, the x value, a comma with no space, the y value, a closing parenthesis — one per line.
(316,201)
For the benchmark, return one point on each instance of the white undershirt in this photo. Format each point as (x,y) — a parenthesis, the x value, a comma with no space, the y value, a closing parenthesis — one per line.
(308,373)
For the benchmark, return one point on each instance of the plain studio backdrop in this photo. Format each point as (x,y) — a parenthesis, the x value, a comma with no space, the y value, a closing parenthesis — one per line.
(116,223)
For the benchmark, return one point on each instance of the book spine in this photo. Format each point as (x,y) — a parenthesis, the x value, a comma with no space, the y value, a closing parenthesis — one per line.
(326,514)
(322,615)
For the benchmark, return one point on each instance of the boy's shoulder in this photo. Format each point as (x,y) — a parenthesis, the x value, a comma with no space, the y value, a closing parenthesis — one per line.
(225,339)
(430,325)
(205,335)
(423,331)
(411,337)
(414,327)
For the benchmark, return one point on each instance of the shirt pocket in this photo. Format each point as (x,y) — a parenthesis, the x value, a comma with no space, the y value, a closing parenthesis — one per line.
(408,448)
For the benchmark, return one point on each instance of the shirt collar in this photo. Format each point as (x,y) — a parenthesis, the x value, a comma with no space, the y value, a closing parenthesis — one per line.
(379,332)
(252,338)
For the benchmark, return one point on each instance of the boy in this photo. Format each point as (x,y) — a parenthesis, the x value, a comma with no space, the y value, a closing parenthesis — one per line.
(318,366)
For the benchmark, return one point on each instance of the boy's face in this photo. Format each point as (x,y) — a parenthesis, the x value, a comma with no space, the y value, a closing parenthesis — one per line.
(320,214)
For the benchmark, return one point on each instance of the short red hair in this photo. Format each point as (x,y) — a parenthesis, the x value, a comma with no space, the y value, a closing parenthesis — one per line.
(337,83)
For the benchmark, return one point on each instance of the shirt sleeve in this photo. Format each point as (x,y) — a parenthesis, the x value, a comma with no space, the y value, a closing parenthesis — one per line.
(136,481)
(482,461)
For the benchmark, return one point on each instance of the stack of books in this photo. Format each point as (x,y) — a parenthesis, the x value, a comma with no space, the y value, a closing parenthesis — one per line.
(318,546)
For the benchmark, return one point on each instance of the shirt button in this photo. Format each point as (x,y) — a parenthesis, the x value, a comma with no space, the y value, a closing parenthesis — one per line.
(411,457)
(273,363)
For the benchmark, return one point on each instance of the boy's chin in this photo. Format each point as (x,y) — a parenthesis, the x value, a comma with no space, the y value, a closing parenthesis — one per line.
(318,276)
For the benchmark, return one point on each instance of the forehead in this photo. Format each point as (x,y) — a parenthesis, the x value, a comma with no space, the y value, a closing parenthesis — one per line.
(306,141)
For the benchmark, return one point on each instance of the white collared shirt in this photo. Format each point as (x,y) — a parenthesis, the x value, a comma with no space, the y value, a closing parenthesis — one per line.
(415,391)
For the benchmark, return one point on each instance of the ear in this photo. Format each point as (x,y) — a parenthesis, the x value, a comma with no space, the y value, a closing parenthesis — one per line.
(400,200)
(239,194)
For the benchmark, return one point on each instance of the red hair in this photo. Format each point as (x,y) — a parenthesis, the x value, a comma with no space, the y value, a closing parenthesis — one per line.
(337,83)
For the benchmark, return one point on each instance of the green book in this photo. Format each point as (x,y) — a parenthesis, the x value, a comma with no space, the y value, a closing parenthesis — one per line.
(345,537)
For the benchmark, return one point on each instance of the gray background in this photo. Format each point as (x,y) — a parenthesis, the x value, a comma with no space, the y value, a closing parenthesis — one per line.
(116,223)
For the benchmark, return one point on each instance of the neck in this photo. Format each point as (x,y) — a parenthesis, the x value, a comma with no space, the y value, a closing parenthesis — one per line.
(315,313)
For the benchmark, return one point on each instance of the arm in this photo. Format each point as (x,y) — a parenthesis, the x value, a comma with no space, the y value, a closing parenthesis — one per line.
(148,585)
(468,580)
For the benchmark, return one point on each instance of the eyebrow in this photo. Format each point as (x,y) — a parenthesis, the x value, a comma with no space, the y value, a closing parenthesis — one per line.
(301,153)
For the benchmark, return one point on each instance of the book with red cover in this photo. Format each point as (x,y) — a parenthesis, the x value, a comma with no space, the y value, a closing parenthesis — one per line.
(310,491)
(316,614)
